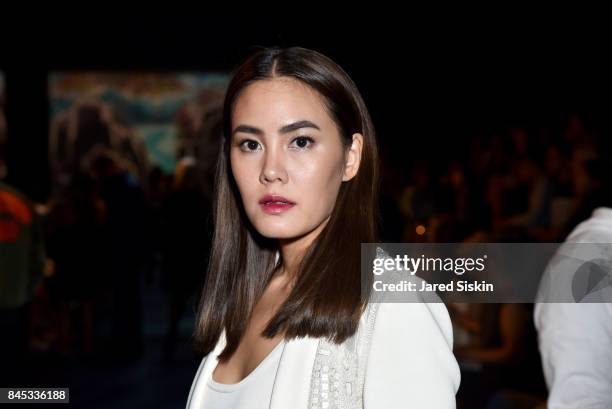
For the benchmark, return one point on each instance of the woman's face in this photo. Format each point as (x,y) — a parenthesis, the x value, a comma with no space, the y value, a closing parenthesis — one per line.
(284,143)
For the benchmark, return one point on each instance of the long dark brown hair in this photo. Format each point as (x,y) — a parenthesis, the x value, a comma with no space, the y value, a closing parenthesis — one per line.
(326,299)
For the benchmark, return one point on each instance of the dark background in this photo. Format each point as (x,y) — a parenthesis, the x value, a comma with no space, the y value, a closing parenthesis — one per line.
(429,82)
(433,83)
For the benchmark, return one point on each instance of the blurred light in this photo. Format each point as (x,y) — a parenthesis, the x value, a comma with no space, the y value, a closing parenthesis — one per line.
(420,230)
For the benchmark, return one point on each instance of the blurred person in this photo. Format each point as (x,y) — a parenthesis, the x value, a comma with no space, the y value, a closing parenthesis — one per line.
(504,347)
(86,128)
(157,188)
(127,251)
(575,200)
(77,246)
(576,137)
(575,339)
(498,165)
(185,245)
(589,180)
(450,223)
(3,141)
(392,226)
(22,262)
(538,192)
(416,200)
(521,196)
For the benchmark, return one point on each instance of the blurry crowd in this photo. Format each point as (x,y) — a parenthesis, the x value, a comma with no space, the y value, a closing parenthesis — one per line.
(77,261)
(514,185)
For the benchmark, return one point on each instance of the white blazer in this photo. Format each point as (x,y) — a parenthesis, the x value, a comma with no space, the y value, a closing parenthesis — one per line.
(407,363)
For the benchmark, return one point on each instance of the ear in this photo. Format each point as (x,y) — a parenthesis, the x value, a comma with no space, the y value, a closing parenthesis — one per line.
(353,157)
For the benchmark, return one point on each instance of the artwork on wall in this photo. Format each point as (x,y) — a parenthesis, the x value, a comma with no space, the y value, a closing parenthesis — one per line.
(145,120)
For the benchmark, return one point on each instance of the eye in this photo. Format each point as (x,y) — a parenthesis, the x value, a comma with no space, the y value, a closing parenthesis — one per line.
(303,142)
(248,145)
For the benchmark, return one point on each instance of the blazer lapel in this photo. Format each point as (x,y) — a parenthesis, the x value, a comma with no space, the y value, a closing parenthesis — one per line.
(207,366)
(292,383)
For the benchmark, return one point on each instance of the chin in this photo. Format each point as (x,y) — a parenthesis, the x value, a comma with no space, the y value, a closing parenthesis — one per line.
(277,229)
(272,232)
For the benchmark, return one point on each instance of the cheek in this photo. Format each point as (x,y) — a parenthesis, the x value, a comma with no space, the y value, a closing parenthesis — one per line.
(319,184)
(243,175)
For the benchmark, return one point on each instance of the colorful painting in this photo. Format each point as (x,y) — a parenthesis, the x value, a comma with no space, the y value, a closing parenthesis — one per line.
(147,119)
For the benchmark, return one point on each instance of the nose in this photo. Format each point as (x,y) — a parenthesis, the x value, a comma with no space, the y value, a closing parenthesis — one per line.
(273,167)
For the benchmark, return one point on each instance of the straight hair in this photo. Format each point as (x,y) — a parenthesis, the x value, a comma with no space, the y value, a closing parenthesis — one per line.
(327,299)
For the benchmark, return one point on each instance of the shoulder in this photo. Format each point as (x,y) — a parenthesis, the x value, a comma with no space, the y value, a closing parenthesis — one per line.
(410,360)
(595,229)
(409,310)
(413,321)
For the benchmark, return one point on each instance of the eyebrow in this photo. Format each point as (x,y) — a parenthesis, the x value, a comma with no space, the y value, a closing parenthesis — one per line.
(284,129)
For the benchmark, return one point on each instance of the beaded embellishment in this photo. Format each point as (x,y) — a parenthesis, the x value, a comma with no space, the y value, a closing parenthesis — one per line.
(339,370)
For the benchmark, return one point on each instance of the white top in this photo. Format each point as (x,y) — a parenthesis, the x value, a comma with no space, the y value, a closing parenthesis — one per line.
(575,339)
(406,361)
(253,392)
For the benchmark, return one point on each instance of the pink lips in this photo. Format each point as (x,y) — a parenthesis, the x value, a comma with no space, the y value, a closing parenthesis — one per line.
(274,204)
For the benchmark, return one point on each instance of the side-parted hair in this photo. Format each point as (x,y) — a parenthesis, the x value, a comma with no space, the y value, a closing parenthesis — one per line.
(326,299)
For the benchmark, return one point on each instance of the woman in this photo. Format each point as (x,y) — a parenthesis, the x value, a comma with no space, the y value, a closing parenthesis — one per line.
(282,320)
